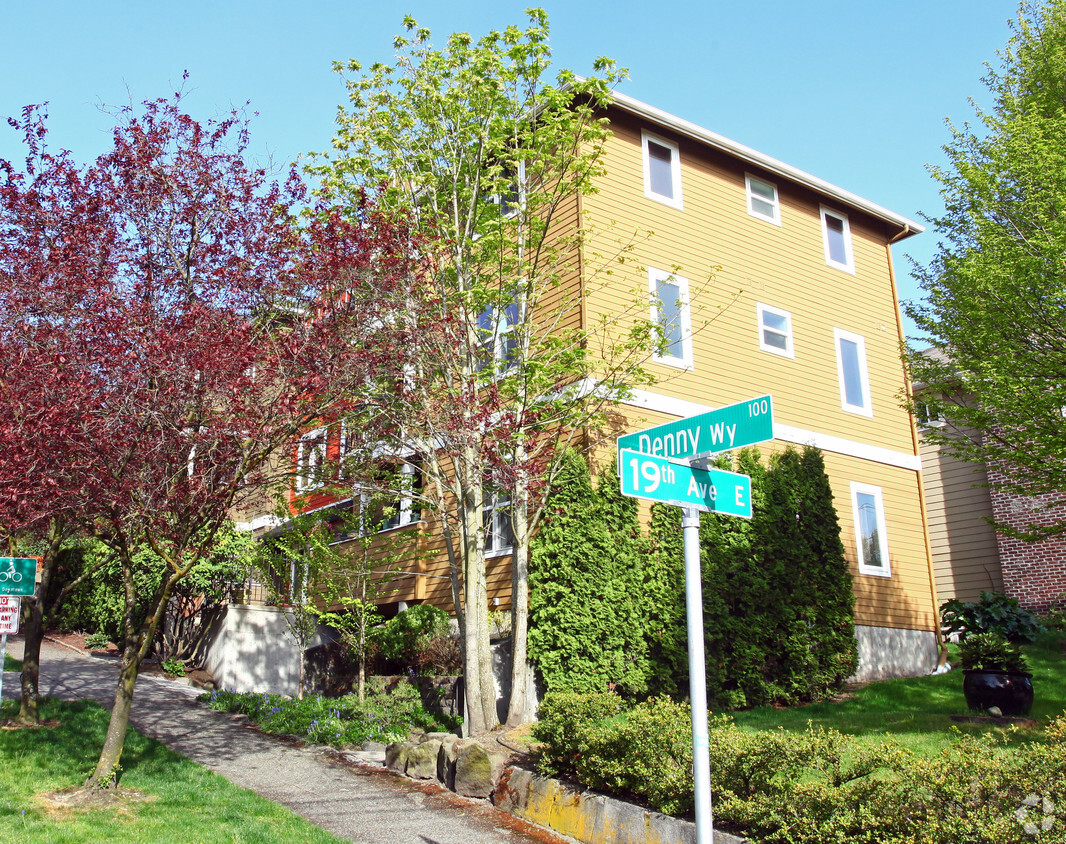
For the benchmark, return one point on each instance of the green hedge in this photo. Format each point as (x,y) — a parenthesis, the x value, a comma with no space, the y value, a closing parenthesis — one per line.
(817,787)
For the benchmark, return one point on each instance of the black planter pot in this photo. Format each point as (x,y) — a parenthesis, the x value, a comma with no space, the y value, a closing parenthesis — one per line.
(1011,691)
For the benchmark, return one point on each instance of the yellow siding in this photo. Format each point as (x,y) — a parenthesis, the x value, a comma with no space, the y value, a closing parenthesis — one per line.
(749,261)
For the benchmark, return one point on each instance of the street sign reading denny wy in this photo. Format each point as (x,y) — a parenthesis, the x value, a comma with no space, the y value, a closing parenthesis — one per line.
(18,575)
(661,479)
(745,423)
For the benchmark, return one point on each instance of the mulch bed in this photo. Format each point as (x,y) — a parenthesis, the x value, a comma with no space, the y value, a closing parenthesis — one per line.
(76,641)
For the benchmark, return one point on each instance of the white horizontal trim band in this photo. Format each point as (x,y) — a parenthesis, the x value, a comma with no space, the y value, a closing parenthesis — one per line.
(683,408)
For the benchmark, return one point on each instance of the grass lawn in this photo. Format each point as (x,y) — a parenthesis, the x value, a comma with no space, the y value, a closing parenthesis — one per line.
(182,802)
(11,664)
(916,712)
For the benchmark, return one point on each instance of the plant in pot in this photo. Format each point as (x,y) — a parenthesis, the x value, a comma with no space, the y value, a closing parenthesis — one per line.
(995,676)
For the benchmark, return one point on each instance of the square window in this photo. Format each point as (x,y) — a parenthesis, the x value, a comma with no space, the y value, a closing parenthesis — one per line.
(851,370)
(871,541)
(662,170)
(670,317)
(836,238)
(775,331)
(762,200)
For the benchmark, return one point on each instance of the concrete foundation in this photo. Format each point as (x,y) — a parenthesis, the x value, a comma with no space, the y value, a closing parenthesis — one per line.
(887,652)
(251,650)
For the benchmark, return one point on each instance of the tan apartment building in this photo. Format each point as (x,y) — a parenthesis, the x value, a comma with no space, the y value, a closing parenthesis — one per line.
(804,306)
(803,273)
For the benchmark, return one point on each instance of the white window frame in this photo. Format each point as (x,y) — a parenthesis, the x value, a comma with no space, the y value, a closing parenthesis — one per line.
(857,489)
(654,277)
(775,215)
(848,264)
(789,351)
(924,416)
(494,512)
(312,446)
(676,200)
(866,409)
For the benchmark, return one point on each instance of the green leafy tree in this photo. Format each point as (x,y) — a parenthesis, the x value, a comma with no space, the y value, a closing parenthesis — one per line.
(486,155)
(995,309)
(332,567)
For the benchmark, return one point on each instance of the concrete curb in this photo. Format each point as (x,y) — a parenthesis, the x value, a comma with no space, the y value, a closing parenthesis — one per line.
(589,817)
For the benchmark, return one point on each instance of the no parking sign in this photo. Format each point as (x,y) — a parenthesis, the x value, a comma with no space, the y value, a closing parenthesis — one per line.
(9,614)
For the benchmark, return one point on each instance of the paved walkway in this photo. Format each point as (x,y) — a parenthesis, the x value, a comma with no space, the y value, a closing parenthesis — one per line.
(355,802)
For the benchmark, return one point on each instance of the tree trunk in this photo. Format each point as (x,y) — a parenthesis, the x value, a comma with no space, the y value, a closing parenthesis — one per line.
(34,632)
(108,770)
(516,707)
(477,656)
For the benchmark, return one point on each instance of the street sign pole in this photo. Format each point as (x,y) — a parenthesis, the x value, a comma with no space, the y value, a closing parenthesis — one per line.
(697,678)
(661,464)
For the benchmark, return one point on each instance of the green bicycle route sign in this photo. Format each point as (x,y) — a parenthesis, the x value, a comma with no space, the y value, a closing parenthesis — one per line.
(18,575)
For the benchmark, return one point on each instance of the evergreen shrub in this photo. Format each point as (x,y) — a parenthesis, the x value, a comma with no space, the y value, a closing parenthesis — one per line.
(588,606)
(813,787)
(778,607)
(410,639)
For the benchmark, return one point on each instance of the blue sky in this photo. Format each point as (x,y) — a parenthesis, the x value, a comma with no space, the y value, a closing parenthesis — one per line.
(853,92)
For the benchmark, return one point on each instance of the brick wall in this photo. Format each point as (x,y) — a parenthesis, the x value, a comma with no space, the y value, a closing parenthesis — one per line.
(1033,572)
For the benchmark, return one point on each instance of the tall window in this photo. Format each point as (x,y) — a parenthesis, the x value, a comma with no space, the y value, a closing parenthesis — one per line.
(670,316)
(762,200)
(404,509)
(775,331)
(871,541)
(497,328)
(499,534)
(836,237)
(310,457)
(662,170)
(851,370)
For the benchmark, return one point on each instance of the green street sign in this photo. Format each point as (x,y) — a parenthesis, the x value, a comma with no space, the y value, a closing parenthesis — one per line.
(660,479)
(18,575)
(745,423)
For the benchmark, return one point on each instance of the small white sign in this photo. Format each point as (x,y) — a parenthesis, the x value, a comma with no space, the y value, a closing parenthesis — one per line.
(9,613)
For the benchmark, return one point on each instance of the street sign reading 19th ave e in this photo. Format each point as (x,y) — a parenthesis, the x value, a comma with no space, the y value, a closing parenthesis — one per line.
(661,479)
(18,575)
(745,423)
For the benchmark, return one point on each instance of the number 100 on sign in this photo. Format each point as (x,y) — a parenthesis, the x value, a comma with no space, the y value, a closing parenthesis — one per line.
(709,490)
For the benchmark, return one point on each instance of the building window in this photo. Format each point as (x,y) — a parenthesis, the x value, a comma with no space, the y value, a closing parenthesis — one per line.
(404,509)
(499,534)
(871,541)
(310,457)
(928,416)
(497,329)
(836,237)
(762,200)
(662,170)
(775,331)
(670,317)
(851,370)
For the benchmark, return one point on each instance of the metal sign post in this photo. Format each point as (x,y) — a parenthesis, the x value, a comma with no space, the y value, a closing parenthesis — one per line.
(659,464)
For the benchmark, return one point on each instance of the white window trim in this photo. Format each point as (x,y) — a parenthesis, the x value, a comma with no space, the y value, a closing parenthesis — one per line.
(676,200)
(775,216)
(849,256)
(864,375)
(882,532)
(496,507)
(655,276)
(312,444)
(789,351)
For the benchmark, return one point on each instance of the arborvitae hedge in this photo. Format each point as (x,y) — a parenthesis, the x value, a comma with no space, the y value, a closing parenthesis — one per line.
(586,604)
(777,600)
(607,605)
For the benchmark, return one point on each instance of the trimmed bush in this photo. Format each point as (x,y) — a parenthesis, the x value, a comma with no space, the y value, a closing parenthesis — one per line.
(816,787)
